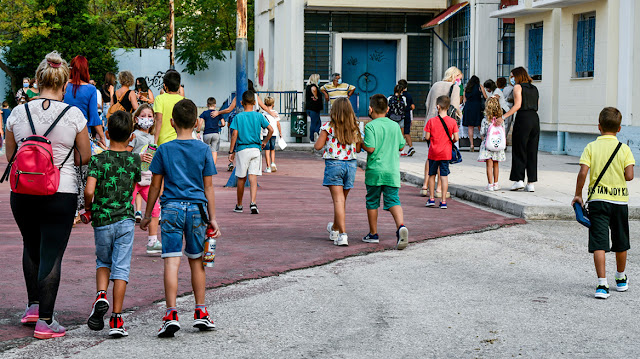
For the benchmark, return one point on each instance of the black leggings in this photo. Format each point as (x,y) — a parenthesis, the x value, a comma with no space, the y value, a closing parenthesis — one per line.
(45,223)
(524,139)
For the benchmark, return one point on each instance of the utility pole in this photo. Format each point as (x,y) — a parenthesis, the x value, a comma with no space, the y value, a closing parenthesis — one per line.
(242,49)
(172,37)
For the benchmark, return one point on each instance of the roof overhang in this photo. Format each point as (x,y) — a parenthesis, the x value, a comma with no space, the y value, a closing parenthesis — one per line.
(382,6)
(557,3)
(445,15)
(523,8)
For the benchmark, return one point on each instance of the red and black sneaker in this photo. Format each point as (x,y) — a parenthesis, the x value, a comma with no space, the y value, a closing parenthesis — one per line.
(98,310)
(117,327)
(202,321)
(170,325)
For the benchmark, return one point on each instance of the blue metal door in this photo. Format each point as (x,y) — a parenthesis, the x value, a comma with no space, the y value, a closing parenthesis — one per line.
(369,65)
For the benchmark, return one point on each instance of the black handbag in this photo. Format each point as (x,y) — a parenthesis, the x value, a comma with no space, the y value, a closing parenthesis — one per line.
(452,111)
(456,156)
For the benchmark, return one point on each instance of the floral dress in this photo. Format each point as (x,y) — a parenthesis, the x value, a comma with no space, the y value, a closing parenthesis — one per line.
(333,150)
(485,154)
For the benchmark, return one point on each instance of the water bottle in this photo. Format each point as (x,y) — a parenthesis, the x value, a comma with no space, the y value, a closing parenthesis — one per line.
(209,249)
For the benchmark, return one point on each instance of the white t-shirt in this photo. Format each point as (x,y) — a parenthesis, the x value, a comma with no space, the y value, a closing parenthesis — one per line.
(273,121)
(99,97)
(62,137)
(503,102)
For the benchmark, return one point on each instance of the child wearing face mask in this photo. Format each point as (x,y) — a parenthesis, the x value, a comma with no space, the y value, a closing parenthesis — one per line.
(144,131)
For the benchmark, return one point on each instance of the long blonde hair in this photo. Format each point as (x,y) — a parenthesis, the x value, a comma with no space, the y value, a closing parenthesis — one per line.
(314,79)
(451,74)
(344,122)
(492,108)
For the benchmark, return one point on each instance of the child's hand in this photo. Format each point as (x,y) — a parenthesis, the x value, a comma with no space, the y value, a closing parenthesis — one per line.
(144,224)
(577,199)
(216,229)
(147,157)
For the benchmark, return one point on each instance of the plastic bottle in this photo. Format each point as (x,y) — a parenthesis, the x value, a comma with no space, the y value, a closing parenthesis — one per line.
(151,149)
(209,249)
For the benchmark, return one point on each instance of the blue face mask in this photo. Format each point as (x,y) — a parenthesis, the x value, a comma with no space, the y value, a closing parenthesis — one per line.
(25,84)
(513,81)
(339,81)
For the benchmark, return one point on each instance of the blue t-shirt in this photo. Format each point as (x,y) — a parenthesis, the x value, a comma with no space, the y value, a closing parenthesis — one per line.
(86,99)
(211,124)
(249,125)
(183,163)
(409,100)
(5,116)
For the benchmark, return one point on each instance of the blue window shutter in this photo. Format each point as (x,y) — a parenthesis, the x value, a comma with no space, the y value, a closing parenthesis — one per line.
(592,44)
(580,46)
(535,51)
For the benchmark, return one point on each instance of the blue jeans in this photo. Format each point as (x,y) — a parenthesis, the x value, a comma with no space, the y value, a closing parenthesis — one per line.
(114,243)
(182,219)
(315,123)
(340,173)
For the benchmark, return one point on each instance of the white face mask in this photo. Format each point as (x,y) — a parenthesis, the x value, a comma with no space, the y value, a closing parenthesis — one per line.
(145,123)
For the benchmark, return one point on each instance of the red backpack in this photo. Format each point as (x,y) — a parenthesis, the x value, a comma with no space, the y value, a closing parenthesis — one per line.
(31,169)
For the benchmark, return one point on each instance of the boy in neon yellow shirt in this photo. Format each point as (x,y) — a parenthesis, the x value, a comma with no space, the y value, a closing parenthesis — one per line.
(163,107)
(608,203)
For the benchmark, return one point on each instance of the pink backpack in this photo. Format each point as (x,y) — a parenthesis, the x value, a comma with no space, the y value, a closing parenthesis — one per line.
(496,139)
(31,169)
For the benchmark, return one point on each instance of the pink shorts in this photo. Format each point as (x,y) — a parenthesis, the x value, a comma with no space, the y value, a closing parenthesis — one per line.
(144,192)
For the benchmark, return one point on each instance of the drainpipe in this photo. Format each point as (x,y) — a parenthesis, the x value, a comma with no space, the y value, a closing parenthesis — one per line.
(561,144)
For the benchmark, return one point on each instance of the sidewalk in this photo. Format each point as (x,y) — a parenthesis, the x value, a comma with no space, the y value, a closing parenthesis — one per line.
(551,200)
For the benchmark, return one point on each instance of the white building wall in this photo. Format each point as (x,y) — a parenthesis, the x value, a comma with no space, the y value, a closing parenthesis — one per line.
(484,39)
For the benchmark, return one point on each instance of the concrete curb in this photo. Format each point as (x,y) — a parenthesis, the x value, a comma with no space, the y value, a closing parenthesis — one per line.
(518,209)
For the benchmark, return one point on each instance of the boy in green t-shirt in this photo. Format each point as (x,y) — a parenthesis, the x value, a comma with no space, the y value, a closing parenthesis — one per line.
(383,141)
(111,179)
(163,107)
(608,202)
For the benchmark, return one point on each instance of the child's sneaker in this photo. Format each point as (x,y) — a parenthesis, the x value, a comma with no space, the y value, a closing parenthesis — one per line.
(254,208)
(170,325)
(371,238)
(117,327)
(274,168)
(333,235)
(621,284)
(48,331)
(31,314)
(155,248)
(343,240)
(230,167)
(443,205)
(431,203)
(490,187)
(411,152)
(238,209)
(496,187)
(267,170)
(202,321)
(99,309)
(402,154)
(402,234)
(602,292)
(138,216)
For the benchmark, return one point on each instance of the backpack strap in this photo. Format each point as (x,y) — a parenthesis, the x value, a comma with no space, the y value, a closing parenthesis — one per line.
(56,121)
(69,155)
(446,129)
(33,128)
(451,90)
(613,155)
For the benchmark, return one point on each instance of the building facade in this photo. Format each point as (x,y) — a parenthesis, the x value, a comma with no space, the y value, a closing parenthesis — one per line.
(583,55)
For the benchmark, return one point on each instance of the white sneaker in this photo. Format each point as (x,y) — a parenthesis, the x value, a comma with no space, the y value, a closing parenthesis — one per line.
(489,187)
(267,170)
(529,188)
(517,185)
(274,168)
(496,187)
(333,235)
(342,240)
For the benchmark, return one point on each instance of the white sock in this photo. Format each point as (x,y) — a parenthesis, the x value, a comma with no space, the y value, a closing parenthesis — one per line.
(151,240)
(620,275)
(603,281)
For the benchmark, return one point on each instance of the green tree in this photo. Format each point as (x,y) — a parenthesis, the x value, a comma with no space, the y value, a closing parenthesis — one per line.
(71,33)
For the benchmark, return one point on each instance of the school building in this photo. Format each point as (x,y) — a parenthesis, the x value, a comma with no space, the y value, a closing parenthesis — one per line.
(583,55)
(375,43)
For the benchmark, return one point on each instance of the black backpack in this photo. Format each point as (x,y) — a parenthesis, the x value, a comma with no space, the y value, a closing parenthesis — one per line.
(397,108)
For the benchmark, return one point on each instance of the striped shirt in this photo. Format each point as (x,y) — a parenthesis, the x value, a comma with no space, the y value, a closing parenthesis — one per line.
(335,92)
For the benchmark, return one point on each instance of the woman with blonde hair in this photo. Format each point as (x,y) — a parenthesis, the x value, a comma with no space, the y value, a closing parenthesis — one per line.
(313,105)
(45,221)
(341,140)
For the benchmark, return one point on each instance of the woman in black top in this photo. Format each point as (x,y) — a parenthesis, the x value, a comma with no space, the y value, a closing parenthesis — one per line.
(313,105)
(526,130)
(472,114)
(128,98)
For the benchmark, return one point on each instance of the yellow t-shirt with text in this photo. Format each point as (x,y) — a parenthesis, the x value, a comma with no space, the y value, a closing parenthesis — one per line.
(612,186)
(164,104)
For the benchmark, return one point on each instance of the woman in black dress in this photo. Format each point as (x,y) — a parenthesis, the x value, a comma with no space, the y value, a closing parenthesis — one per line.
(526,130)
(472,114)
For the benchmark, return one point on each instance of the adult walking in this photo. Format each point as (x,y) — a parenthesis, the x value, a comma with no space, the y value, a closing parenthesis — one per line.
(124,95)
(313,105)
(21,96)
(473,111)
(507,92)
(45,222)
(336,89)
(526,130)
(449,86)
(143,92)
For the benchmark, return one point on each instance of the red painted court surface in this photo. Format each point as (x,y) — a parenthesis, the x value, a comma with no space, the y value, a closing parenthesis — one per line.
(289,233)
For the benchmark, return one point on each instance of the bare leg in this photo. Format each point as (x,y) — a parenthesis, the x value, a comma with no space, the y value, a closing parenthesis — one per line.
(240,190)
(253,185)
(372,216)
(339,201)
(444,182)
(496,171)
(138,201)
(599,261)
(119,288)
(267,157)
(489,164)
(621,261)
(470,131)
(273,156)
(171,266)
(198,279)
(398,217)
(408,140)
(432,186)
(102,278)
(215,157)
(153,226)
(425,184)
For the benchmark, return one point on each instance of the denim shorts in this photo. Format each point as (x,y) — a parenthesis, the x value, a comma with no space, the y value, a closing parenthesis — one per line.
(443,165)
(114,243)
(271,144)
(340,173)
(182,220)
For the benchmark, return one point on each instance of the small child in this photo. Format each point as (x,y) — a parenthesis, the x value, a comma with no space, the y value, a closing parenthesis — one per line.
(440,149)
(144,130)
(110,182)
(186,167)
(212,125)
(608,202)
(247,127)
(383,140)
(341,140)
(492,159)
(5,115)
(408,117)
(270,148)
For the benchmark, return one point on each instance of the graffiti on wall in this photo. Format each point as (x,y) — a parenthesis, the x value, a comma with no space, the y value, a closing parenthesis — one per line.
(156,80)
(261,68)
